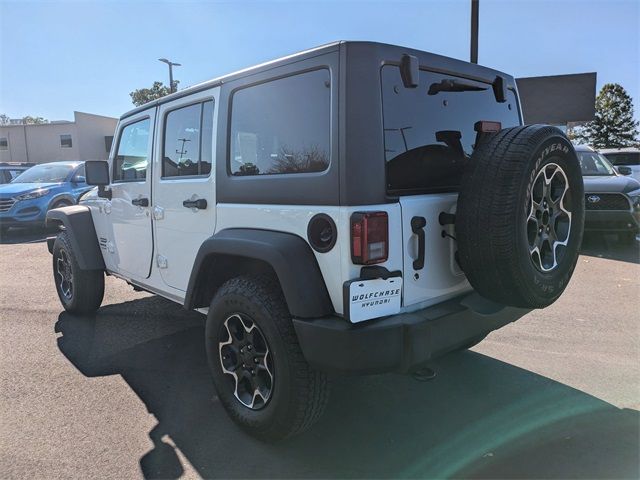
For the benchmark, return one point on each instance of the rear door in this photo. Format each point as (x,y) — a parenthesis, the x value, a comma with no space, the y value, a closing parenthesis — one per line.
(130,218)
(184,203)
(429,136)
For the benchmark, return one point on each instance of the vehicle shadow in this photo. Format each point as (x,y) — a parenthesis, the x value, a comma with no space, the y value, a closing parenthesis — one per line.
(604,245)
(478,418)
(25,235)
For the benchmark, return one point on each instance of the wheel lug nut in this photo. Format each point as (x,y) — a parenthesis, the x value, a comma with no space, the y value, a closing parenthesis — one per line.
(255,360)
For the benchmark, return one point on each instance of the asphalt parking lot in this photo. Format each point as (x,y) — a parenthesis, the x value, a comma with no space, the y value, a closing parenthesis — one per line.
(126,393)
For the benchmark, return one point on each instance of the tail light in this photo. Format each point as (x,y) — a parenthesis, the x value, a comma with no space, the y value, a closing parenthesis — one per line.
(369,237)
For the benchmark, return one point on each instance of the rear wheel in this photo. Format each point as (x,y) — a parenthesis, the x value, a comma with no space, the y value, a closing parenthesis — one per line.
(260,374)
(520,216)
(80,291)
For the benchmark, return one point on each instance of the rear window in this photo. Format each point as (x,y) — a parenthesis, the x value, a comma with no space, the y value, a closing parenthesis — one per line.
(624,158)
(429,130)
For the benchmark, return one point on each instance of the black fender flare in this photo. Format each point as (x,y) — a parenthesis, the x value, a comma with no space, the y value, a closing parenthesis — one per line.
(287,254)
(78,224)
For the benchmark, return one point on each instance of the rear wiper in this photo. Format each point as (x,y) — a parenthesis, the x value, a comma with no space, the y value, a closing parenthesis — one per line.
(451,85)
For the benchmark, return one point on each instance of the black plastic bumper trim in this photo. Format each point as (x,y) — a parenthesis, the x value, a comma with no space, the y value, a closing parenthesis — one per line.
(401,342)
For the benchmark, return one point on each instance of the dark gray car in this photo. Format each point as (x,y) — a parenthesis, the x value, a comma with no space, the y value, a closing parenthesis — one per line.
(612,200)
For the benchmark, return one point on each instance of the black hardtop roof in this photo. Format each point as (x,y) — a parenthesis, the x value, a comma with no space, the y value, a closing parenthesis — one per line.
(387,50)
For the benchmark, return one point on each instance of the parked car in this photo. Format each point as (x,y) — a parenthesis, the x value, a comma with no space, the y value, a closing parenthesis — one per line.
(624,157)
(612,200)
(356,208)
(26,200)
(10,170)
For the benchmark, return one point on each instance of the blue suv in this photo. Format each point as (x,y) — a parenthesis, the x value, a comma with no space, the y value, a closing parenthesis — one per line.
(25,200)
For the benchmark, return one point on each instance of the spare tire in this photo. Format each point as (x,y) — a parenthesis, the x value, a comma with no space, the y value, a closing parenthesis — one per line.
(520,216)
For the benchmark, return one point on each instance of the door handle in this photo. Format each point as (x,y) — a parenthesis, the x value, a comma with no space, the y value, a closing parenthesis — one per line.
(200,203)
(140,202)
(417,227)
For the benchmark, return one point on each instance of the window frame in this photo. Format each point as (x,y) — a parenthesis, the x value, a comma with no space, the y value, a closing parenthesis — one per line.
(201,102)
(149,153)
(295,73)
(70,140)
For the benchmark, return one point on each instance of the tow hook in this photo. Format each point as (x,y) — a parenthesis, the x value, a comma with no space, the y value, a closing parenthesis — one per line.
(423,374)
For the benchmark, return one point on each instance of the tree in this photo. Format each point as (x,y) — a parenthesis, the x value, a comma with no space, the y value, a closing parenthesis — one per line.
(29,120)
(613,126)
(145,95)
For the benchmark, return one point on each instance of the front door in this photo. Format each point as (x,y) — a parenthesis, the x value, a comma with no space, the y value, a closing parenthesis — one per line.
(131,243)
(184,204)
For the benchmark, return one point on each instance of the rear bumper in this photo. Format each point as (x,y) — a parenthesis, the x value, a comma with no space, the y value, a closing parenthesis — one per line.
(612,221)
(401,342)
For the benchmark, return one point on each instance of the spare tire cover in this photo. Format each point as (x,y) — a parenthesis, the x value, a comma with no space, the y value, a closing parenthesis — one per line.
(520,216)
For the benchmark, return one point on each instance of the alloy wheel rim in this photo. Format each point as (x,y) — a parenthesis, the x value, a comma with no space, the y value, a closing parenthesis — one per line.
(246,358)
(549,219)
(65,274)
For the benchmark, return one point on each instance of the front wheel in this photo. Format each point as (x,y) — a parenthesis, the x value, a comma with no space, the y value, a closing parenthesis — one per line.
(80,291)
(258,369)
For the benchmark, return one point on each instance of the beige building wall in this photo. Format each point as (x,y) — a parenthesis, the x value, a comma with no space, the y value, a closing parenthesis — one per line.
(92,130)
(41,143)
(16,149)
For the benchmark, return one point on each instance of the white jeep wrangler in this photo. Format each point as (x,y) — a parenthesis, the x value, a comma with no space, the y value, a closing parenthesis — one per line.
(355,208)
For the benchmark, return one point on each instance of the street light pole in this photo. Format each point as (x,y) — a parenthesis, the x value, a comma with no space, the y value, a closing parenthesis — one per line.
(172,88)
(475,7)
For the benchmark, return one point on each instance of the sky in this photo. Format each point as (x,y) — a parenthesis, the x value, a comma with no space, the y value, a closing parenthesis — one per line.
(61,56)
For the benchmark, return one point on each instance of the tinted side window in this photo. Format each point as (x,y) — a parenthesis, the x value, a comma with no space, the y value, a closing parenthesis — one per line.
(429,130)
(132,155)
(626,158)
(282,126)
(187,141)
(80,172)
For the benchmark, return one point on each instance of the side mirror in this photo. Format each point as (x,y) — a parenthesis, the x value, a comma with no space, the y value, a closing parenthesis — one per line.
(79,179)
(97,173)
(624,170)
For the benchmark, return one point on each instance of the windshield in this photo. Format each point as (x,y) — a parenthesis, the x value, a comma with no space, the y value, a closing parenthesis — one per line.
(429,130)
(592,163)
(45,173)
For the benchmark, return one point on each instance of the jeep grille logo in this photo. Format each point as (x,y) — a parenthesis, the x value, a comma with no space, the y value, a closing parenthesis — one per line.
(593,198)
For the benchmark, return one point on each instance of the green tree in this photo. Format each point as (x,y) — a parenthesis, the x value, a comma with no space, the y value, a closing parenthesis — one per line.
(29,120)
(145,95)
(613,126)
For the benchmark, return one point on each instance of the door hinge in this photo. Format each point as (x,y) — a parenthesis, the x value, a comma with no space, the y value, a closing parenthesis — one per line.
(158,213)
(161,260)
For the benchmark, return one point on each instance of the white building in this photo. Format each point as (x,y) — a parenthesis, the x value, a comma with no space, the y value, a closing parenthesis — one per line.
(88,137)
